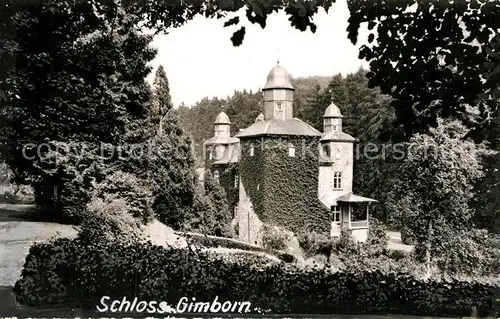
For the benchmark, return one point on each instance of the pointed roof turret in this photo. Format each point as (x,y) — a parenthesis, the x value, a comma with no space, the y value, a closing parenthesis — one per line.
(333,111)
(222,118)
(278,78)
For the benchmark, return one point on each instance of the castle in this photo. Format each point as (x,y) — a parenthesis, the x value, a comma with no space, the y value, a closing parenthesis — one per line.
(281,171)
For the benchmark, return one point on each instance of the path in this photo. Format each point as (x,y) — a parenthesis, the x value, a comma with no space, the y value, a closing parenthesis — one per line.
(396,243)
(18,233)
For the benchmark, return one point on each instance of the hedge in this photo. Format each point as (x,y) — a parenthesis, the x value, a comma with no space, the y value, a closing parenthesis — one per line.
(215,241)
(66,272)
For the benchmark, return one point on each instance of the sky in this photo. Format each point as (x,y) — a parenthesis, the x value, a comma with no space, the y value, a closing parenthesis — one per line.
(201,61)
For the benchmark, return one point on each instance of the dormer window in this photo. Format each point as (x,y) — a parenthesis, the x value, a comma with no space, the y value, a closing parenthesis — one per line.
(279,106)
(251,150)
(291,150)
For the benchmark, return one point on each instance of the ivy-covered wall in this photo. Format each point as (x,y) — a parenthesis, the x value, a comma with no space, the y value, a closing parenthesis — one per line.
(226,180)
(283,189)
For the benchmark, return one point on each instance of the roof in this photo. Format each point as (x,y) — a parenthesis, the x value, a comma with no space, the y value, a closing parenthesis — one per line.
(278,78)
(351,198)
(231,155)
(280,127)
(337,137)
(332,111)
(221,140)
(222,118)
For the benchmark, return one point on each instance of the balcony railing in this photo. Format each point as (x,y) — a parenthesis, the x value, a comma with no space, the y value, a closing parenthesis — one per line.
(359,224)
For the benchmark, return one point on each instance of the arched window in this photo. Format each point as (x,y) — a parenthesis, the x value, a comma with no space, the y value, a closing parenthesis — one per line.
(209,153)
(291,150)
(216,175)
(251,150)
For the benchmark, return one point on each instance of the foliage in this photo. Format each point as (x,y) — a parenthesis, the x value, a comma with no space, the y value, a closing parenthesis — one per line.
(109,220)
(134,192)
(433,191)
(285,186)
(208,241)
(275,237)
(81,80)
(448,69)
(439,73)
(164,15)
(377,233)
(78,274)
(166,160)
(211,210)
(313,243)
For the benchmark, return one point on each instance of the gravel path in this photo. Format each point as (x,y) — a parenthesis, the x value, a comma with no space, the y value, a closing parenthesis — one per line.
(17,234)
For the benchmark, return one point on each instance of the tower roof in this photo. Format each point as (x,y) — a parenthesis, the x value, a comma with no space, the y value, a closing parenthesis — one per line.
(332,111)
(222,118)
(278,78)
(279,127)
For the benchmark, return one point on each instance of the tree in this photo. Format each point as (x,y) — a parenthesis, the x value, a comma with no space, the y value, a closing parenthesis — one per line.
(161,98)
(168,14)
(432,194)
(211,209)
(80,81)
(167,160)
(431,58)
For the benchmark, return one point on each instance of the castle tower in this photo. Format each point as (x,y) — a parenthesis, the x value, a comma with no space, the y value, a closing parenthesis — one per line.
(279,167)
(349,211)
(221,158)
(278,95)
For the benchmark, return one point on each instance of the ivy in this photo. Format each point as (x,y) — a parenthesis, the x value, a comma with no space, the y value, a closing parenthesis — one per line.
(284,189)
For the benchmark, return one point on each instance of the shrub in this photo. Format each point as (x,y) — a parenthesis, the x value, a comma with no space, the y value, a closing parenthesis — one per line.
(377,233)
(313,244)
(75,273)
(107,221)
(133,191)
(274,237)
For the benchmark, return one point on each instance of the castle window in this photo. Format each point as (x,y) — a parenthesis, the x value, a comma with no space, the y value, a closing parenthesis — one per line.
(279,106)
(326,151)
(251,150)
(337,180)
(236,181)
(291,150)
(216,175)
(336,214)
(219,151)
